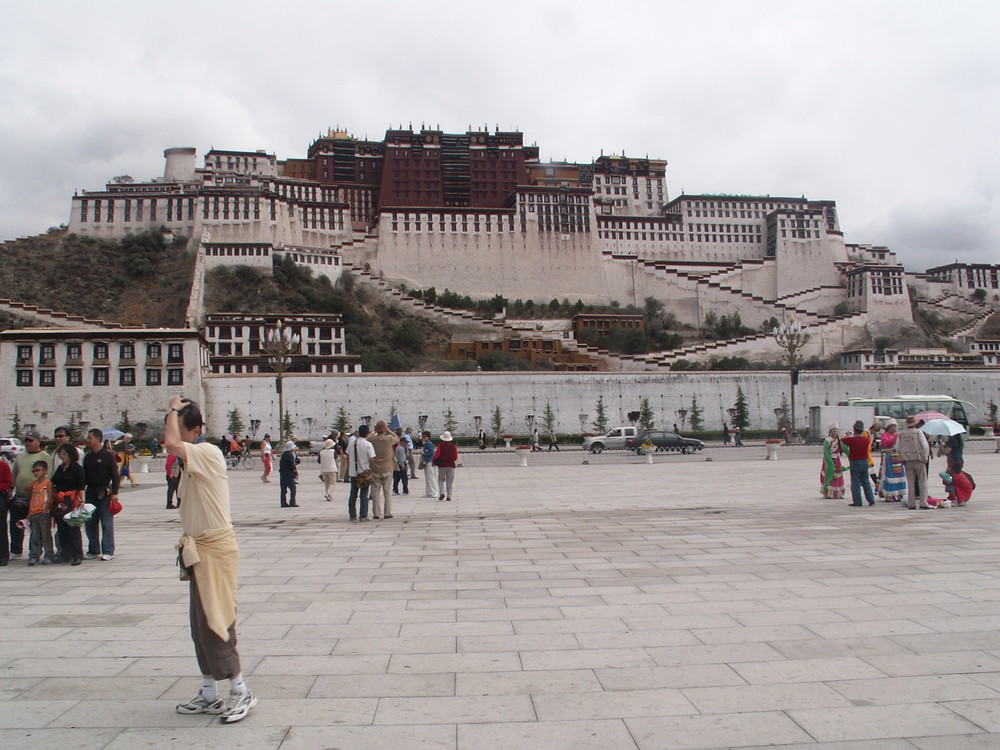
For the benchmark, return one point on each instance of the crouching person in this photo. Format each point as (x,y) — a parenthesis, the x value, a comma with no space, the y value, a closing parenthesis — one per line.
(211,559)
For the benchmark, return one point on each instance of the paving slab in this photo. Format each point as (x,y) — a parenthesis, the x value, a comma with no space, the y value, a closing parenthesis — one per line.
(701,602)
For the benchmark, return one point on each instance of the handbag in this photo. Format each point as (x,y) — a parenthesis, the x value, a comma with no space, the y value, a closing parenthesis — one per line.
(114,507)
(64,503)
(365,476)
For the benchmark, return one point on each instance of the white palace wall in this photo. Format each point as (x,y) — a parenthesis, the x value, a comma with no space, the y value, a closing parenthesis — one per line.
(319,397)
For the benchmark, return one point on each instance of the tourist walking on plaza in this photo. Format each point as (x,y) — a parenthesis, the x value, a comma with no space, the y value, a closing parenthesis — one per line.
(288,473)
(69,482)
(859,451)
(23,479)
(382,465)
(831,475)
(211,560)
(400,474)
(359,455)
(265,458)
(172,468)
(914,450)
(426,463)
(892,474)
(411,458)
(328,467)
(101,472)
(725,434)
(445,459)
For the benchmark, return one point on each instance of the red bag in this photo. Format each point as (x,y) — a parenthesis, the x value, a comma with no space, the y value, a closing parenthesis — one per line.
(115,507)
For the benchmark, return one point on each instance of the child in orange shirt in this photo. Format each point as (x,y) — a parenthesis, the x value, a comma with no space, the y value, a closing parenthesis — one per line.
(40,515)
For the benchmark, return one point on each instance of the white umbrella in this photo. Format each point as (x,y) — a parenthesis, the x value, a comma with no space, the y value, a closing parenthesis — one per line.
(946,427)
(112,433)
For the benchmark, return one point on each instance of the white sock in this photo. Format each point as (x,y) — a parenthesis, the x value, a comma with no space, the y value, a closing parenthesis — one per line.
(237,685)
(209,691)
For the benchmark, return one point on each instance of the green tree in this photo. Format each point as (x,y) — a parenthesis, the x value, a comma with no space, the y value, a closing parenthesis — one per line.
(287,426)
(236,425)
(15,424)
(342,423)
(550,418)
(696,416)
(647,421)
(601,421)
(742,418)
(124,424)
(449,420)
(74,427)
(979,295)
(497,421)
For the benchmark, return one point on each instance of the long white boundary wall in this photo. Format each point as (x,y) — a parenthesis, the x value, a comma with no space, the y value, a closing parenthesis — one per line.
(319,397)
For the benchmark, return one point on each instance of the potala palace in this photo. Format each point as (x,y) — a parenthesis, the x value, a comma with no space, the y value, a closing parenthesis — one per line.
(479,213)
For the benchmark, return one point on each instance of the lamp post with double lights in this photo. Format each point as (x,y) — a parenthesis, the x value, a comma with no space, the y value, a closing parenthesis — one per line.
(280,347)
(792,337)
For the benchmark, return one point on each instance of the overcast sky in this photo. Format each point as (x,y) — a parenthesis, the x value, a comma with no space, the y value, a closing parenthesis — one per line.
(888,107)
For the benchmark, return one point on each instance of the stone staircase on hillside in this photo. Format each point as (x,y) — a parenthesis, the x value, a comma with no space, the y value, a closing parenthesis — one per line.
(971,329)
(54,318)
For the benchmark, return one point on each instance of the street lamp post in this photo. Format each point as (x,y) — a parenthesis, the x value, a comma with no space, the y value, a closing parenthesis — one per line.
(280,346)
(792,337)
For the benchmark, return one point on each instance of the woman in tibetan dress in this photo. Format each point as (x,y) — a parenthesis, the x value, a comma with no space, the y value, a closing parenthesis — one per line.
(831,476)
(892,475)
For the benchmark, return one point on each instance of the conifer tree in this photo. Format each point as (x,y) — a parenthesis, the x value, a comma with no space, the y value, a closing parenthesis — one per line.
(647,421)
(742,418)
(696,416)
(601,422)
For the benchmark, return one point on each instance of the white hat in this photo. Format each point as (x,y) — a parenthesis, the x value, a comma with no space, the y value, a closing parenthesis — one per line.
(328,443)
(446,436)
(291,446)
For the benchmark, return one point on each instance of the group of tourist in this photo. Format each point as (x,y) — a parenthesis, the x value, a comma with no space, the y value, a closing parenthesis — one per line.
(42,494)
(386,461)
(902,475)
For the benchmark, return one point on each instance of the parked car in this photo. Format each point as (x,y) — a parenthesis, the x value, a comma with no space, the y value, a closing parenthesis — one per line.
(615,438)
(664,441)
(10,448)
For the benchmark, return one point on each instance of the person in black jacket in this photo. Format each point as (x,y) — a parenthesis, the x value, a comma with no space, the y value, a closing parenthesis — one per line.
(101,472)
(69,478)
(288,473)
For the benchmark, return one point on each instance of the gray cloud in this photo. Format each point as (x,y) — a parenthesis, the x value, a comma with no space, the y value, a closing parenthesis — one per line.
(889,108)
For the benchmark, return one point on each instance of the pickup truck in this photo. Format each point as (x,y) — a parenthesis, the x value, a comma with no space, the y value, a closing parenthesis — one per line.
(615,438)
(10,448)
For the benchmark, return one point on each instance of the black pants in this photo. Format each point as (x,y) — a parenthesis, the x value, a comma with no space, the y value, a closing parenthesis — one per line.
(70,539)
(400,475)
(4,538)
(16,533)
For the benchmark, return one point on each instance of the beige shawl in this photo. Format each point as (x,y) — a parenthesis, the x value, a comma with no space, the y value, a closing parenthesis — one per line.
(216,562)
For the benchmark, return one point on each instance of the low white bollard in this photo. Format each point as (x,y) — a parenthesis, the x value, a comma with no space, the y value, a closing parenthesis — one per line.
(772,452)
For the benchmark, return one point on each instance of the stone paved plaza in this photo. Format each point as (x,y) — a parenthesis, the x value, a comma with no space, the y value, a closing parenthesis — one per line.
(613,605)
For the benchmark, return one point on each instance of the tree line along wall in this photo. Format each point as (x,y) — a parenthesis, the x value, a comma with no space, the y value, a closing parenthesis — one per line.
(466,395)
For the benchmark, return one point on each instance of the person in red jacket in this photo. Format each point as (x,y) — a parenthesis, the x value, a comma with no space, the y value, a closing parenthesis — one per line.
(958,484)
(859,447)
(445,459)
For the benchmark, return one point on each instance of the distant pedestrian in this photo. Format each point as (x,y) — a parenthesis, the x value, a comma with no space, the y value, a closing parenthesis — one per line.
(172,468)
(400,475)
(265,457)
(427,464)
(859,452)
(328,467)
(725,434)
(914,450)
(154,447)
(446,459)
(737,437)
(553,440)
(288,474)
(359,455)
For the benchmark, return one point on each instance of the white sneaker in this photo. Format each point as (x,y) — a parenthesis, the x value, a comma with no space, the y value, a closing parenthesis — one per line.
(107,557)
(198,705)
(237,707)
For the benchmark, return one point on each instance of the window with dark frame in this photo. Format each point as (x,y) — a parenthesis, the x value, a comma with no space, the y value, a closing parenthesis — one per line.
(126,376)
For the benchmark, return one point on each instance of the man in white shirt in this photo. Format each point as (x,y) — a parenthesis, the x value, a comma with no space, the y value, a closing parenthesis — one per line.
(359,455)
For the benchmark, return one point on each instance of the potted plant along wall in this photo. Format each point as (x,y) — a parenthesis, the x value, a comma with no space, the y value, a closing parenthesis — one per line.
(647,449)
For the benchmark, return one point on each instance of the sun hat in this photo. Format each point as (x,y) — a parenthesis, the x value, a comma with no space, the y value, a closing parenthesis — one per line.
(446,436)
(33,435)
(328,443)
(291,446)
(911,421)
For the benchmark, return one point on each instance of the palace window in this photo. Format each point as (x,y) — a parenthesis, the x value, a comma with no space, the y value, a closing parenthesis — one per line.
(74,376)
(47,378)
(101,376)
(154,377)
(175,353)
(175,377)
(25,377)
(126,376)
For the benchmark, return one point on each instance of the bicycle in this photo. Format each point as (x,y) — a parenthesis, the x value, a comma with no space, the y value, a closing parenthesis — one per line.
(243,460)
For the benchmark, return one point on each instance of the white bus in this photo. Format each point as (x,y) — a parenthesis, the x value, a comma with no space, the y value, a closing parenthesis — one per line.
(898,407)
